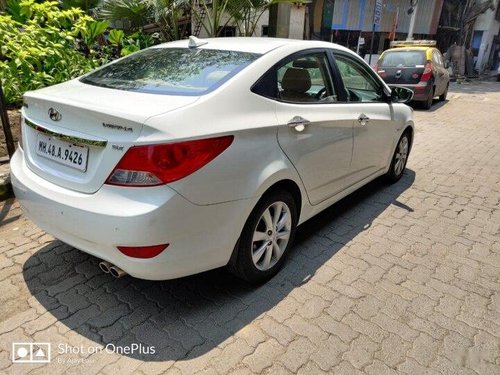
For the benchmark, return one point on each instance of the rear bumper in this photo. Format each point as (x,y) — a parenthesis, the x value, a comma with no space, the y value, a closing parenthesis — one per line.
(199,237)
(420,93)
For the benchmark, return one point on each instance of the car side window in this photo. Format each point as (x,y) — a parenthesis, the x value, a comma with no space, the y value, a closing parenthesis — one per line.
(359,84)
(306,79)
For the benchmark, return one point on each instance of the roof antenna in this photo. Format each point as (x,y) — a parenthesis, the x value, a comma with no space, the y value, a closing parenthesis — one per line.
(195,42)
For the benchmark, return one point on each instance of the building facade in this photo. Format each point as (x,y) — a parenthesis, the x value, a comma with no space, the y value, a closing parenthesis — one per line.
(486,39)
(356,23)
(368,26)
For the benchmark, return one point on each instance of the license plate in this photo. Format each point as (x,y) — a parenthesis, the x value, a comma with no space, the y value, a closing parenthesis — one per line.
(68,154)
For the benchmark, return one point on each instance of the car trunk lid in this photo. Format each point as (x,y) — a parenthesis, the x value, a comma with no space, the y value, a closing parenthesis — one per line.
(74,134)
(401,66)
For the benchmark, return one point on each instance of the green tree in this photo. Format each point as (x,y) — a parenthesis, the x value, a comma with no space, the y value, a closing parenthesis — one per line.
(137,12)
(247,13)
(168,14)
(211,13)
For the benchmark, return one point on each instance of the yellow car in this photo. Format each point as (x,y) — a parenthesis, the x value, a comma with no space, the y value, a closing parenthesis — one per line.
(417,65)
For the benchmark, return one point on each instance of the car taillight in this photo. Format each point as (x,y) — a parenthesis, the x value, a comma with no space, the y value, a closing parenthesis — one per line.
(159,164)
(380,72)
(427,74)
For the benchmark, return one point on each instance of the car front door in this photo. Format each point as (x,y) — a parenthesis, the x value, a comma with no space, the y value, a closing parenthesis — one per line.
(313,131)
(372,116)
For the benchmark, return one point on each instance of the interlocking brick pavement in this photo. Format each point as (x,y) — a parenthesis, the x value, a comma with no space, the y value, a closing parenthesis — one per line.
(400,279)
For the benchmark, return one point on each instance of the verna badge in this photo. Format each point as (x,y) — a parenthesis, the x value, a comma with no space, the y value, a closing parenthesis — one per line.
(54,114)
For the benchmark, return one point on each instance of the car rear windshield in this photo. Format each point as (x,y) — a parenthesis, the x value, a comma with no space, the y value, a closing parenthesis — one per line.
(171,71)
(402,59)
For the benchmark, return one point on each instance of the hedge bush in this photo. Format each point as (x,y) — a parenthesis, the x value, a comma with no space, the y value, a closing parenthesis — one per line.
(39,46)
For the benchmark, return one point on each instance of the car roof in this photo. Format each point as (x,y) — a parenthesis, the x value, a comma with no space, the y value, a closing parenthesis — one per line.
(261,45)
(408,48)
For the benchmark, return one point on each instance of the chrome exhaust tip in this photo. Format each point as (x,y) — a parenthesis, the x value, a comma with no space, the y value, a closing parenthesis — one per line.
(117,272)
(105,266)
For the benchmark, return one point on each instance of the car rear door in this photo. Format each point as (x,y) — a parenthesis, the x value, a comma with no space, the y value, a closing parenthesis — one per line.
(372,116)
(314,131)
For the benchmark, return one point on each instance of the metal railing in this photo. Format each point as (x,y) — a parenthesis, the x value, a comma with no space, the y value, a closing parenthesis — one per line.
(6,125)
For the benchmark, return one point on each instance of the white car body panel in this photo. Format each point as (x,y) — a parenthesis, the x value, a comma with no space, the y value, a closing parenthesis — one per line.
(202,215)
(373,141)
(113,216)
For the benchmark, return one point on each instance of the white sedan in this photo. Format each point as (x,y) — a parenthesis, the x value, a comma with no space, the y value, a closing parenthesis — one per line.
(198,154)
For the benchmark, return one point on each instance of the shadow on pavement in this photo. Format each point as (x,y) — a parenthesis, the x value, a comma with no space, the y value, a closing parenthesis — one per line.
(187,317)
(436,104)
(4,212)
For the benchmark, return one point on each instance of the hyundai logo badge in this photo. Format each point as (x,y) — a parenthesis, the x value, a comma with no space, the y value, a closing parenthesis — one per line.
(54,115)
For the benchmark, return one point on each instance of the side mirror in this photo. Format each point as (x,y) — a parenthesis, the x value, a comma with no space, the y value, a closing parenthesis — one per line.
(401,95)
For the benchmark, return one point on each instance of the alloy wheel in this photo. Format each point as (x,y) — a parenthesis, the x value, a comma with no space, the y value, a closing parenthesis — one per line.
(271,235)
(401,156)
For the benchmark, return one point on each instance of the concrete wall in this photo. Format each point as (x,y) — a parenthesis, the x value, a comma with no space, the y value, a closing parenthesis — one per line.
(297,22)
(486,22)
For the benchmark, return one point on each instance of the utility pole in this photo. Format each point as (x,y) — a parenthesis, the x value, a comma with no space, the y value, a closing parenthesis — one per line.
(377,17)
(360,41)
(413,11)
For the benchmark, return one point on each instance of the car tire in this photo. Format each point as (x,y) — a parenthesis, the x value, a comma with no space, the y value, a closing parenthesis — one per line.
(427,104)
(443,96)
(266,238)
(399,159)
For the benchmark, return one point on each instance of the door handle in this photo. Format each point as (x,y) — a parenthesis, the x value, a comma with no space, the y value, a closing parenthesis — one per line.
(363,119)
(298,123)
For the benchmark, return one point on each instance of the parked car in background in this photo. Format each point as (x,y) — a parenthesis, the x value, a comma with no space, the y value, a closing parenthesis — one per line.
(198,154)
(417,65)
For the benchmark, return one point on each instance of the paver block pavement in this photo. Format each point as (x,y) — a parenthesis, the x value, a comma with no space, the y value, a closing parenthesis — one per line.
(393,279)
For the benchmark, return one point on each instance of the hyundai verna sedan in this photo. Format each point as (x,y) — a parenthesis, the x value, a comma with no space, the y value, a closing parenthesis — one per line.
(198,154)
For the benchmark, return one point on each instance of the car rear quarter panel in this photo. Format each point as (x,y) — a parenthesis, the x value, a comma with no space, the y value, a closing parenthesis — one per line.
(246,169)
(251,164)
(403,116)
